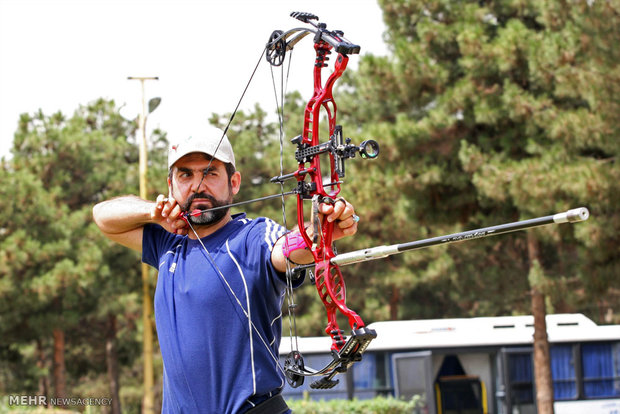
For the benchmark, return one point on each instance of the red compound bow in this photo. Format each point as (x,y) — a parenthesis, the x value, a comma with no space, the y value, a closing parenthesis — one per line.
(314,184)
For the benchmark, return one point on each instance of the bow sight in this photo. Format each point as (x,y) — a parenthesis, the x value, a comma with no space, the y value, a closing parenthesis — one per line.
(339,149)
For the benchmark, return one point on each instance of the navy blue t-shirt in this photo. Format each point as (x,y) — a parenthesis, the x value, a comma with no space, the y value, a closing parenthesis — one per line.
(214,360)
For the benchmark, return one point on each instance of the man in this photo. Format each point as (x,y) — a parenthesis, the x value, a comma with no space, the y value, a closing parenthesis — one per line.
(221,280)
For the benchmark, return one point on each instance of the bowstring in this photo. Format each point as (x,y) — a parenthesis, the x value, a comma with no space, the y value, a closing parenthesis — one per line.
(208,254)
(232,116)
(290,295)
(289,279)
(246,313)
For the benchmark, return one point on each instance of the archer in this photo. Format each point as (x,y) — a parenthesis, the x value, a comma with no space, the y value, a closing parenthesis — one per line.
(221,280)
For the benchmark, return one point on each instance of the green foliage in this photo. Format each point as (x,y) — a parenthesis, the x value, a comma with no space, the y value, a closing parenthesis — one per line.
(378,405)
(58,273)
(489,112)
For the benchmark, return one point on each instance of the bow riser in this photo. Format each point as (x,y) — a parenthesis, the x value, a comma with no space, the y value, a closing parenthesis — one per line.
(322,98)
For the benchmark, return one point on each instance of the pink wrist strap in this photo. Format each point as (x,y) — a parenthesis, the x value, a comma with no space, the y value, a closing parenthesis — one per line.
(292,243)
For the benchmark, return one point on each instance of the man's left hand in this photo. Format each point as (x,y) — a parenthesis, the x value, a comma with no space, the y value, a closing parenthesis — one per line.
(342,213)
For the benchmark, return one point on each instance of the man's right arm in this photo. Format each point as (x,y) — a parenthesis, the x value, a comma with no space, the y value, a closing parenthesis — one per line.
(122,219)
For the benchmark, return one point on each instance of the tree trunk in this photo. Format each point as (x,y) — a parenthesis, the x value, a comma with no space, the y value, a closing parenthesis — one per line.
(542,360)
(148,397)
(60,374)
(112,362)
(41,365)
(394,303)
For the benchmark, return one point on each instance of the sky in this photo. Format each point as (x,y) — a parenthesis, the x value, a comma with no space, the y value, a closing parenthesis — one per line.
(56,55)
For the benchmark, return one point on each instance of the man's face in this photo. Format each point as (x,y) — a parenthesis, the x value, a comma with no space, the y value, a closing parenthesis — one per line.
(197,188)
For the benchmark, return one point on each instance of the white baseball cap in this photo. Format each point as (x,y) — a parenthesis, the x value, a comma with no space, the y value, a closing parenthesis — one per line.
(211,141)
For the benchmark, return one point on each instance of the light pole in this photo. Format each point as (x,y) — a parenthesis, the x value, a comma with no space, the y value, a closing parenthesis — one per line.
(148,397)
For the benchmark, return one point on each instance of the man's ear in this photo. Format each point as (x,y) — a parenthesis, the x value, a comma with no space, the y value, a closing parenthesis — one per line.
(235,182)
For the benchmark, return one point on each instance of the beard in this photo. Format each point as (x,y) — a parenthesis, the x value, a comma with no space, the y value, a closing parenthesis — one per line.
(206,218)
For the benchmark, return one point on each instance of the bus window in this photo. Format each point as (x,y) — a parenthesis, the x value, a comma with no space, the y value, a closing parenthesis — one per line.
(521,378)
(412,377)
(460,395)
(601,369)
(520,381)
(372,375)
(563,372)
(364,376)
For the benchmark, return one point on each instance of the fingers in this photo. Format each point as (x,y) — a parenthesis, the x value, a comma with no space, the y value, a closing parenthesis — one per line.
(341,210)
(178,226)
(156,212)
(343,213)
(166,207)
(168,213)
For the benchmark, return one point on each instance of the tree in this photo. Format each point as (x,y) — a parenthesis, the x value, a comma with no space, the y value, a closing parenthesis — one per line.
(59,274)
(495,110)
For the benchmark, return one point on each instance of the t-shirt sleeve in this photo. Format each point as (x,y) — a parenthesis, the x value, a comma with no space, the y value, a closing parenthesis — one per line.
(155,241)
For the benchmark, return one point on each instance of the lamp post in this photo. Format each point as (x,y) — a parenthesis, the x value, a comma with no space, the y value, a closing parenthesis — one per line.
(148,397)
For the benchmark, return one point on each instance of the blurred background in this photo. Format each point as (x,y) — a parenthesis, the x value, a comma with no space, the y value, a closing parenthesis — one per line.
(486,112)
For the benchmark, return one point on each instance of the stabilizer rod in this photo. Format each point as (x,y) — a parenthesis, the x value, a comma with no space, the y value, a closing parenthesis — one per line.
(571,216)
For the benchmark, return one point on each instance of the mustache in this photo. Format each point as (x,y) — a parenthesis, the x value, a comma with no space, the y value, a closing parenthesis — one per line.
(190,200)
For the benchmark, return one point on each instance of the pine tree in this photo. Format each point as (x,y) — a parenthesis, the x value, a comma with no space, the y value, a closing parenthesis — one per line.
(491,112)
(64,286)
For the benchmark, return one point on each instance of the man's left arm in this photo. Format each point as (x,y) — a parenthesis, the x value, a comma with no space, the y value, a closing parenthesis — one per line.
(341,212)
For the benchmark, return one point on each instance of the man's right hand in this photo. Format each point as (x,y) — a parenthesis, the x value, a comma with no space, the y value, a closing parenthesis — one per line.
(167,213)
